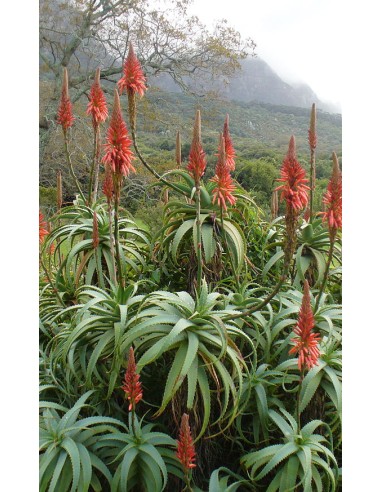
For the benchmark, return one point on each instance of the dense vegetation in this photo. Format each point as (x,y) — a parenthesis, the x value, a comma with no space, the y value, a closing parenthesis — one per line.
(186,304)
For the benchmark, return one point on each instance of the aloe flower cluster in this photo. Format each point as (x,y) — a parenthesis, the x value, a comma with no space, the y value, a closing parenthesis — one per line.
(185,448)
(97,106)
(131,385)
(223,191)
(306,341)
(133,78)
(118,144)
(293,178)
(65,116)
(333,199)
(229,149)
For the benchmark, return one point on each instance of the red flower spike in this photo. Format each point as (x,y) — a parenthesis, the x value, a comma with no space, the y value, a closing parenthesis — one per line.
(43,231)
(97,106)
(229,149)
(65,116)
(133,78)
(333,198)
(293,176)
(306,341)
(224,188)
(131,385)
(118,145)
(197,160)
(95,231)
(185,447)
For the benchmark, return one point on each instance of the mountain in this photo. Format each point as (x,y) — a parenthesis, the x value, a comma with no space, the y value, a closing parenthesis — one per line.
(257,82)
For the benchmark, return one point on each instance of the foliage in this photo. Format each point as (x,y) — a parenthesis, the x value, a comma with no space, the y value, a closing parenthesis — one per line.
(207,302)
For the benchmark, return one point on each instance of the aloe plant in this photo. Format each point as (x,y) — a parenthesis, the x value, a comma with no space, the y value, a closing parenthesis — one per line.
(201,345)
(68,460)
(141,457)
(304,459)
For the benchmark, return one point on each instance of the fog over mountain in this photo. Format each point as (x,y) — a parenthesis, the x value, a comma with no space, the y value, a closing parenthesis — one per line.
(258,82)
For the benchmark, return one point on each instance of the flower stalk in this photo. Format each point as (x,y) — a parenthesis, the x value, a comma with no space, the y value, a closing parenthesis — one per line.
(312,140)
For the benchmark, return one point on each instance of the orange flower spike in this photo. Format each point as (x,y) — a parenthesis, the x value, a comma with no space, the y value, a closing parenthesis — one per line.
(223,191)
(65,116)
(118,145)
(197,160)
(185,448)
(43,231)
(333,198)
(133,78)
(306,341)
(97,106)
(229,149)
(293,176)
(131,385)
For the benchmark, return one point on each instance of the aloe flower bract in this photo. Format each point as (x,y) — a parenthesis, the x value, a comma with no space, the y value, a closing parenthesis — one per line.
(118,145)
(306,341)
(185,447)
(133,78)
(197,161)
(229,149)
(224,188)
(333,198)
(293,176)
(97,106)
(43,231)
(131,385)
(65,116)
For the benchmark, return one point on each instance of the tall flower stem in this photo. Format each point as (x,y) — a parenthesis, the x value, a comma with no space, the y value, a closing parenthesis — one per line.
(228,249)
(198,237)
(326,271)
(112,249)
(68,158)
(150,169)
(312,180)
(298,412)
(312,139)
(116,230)
(94,172)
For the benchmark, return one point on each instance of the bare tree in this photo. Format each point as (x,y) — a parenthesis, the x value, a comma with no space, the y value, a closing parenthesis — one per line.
(85,34)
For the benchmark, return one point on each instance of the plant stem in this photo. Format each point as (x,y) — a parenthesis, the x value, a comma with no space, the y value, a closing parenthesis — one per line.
(198,237)
(329,260)
(116,230)
(150,169)
(298,413)
(112,249)
(312,180)
(68,158)
(96,171)
(228,249)
(94,168)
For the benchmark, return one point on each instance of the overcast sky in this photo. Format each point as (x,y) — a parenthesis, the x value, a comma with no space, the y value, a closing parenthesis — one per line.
(299,39)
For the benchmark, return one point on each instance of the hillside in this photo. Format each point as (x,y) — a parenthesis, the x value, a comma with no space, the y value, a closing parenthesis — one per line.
(255,82)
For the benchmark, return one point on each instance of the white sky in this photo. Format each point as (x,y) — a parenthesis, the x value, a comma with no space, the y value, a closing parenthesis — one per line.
(299,39)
